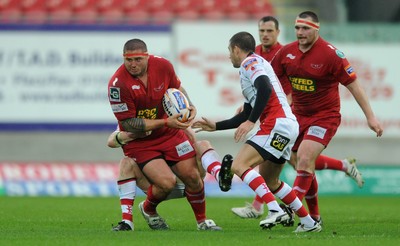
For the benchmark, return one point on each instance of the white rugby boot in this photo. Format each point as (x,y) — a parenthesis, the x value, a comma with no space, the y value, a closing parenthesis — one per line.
(303,228)
(273,218)
(155,222)
(248,211)
(353,172)
(208,225)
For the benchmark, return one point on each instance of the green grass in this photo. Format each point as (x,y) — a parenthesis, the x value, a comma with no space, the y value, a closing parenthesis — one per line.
(87,221)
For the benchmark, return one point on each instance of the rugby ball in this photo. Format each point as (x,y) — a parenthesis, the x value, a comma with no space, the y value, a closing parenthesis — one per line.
(175,102)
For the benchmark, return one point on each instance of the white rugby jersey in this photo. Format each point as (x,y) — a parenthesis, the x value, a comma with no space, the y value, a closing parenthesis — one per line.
(277,106)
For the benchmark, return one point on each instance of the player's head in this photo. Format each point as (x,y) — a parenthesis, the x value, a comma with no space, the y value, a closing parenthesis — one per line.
(240,45)
(307,28)
(136,57)
(268,31)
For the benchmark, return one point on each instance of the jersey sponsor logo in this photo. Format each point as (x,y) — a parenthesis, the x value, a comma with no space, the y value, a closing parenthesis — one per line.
(340,54)
(303,84)
(118,108)
(148,113)
(249,63)
(349,70)
(316,131)
(135,87)
(279,142)
(115,95)
(184,148)
(290,56)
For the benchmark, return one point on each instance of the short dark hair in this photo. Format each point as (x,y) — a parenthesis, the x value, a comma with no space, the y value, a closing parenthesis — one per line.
(270,18)
(135,44)
(305,14)
(244,40)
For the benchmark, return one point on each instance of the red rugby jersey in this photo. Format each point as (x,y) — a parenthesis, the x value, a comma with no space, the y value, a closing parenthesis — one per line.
(313,76)
(269,54)
(129,98)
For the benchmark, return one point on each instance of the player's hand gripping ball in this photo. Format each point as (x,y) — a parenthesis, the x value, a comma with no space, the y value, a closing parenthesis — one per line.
(175,102)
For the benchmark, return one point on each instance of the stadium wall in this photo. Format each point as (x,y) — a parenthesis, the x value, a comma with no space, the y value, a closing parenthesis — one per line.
(53,98)
(53,79)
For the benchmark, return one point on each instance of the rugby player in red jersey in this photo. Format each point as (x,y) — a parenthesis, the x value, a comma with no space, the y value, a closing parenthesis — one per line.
(313,69)
(135,93)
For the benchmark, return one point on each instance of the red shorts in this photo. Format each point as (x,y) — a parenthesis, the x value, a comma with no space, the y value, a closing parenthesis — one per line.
(317,128)
(174,146)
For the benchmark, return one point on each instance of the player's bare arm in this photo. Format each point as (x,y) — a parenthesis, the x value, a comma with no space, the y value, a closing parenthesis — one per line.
(208,125)
(359,94)
(135,125)
(141,125)
(120,138)
(204,125)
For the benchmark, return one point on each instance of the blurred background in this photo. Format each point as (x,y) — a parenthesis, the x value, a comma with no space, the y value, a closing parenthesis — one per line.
(56,57)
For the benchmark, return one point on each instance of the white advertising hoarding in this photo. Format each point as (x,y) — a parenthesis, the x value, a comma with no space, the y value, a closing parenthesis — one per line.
(58,77)
(62,76)
(378,72)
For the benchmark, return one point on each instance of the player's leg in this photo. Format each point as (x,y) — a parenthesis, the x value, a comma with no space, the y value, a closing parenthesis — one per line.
(242,167)
(305,183)
(201,147)
(271,172)
(209,158)
(311,195)
(306,155)
(325,162)
(347,165)
(143,184)
(211,163)
(311,198)
(162,181)
(188,171)
(205,153)
(129,177)
(256,208)
(252,210)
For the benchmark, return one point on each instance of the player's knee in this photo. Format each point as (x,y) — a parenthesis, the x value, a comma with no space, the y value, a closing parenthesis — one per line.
(193,181)
(301,159)
(304,162)
(127,167)
(167,184)
(202,146)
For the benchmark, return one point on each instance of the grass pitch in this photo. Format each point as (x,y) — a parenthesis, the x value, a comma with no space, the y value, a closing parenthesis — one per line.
(87,221)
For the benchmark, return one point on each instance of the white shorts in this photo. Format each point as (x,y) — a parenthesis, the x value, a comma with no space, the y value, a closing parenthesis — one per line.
(279,140)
